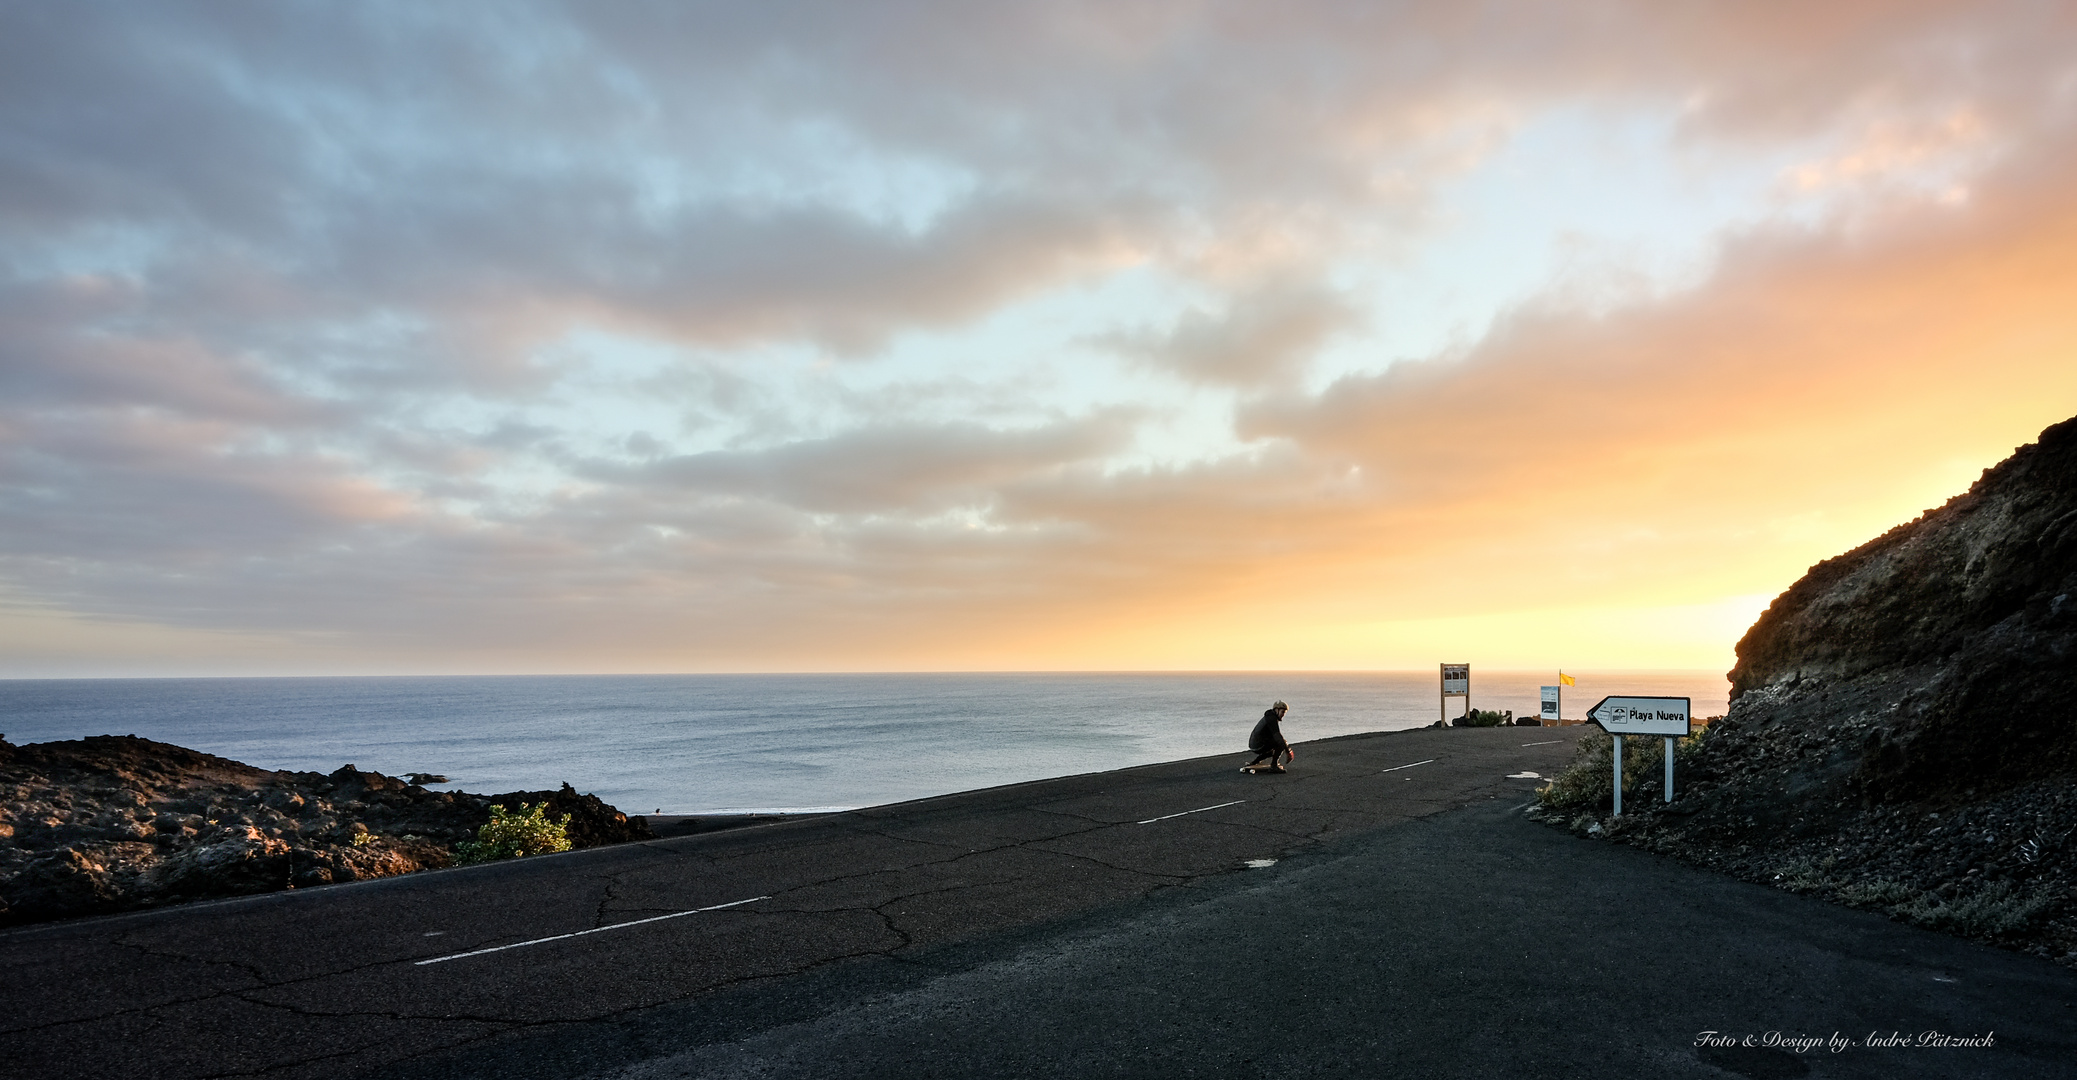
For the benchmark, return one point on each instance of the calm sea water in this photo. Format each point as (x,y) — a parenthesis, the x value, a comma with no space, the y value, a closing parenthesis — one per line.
(703,743)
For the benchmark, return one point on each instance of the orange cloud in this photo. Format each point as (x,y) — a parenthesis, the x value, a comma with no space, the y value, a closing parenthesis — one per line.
(1700,450)
(275,399)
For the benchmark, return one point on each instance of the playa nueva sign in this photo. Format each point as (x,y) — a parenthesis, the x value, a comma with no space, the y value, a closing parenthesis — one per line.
(1642,716)
(1620,716)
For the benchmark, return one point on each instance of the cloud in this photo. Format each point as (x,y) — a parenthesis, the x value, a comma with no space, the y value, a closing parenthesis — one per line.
(1265,336)
(293,314)
(63,344)
(719,177)
(914,469)
(157,491)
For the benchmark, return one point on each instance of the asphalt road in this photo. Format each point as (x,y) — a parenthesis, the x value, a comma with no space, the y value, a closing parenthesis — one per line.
(1411,924)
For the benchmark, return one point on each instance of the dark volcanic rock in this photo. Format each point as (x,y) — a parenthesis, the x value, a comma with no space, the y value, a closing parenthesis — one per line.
(1956,633)
(1899,735)
(112,823)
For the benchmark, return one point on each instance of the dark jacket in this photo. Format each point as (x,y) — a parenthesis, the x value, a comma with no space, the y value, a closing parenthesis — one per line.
(1268,733)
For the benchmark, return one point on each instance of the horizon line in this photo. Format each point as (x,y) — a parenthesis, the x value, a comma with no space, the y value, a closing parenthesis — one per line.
(842,671)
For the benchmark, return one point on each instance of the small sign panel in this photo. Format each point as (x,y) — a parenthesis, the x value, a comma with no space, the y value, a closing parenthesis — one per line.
(1550,702)
(1456,678)
(1642,715)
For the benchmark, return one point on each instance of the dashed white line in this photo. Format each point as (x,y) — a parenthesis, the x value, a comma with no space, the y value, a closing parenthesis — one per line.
(1396,768)
(1546,742)
(1199,810)
(593,930)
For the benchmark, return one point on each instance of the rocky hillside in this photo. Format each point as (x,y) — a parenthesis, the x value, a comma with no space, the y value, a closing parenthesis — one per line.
(112,823)
(1959,628)
(1900,734)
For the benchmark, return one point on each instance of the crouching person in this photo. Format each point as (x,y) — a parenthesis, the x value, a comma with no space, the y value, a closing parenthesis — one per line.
(1267,741)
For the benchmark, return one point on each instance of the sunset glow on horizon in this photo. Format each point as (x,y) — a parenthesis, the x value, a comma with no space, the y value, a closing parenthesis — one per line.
(929,337)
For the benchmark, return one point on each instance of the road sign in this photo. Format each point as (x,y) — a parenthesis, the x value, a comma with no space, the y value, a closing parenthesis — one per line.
(1620,716)
(1642,715)
(1551,698)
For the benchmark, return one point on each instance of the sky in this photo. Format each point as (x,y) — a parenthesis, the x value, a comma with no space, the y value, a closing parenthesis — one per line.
(922,336)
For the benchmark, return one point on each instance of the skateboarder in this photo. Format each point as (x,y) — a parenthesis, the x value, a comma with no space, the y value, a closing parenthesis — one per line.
(1267,741)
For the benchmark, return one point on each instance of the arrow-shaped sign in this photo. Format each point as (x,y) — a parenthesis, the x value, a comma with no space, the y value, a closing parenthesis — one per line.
(1642,715)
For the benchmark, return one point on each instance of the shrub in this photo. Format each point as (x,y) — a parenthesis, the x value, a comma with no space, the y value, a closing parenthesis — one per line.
(1801,875)
(1484,718)
(1879,893)
(512,834)
(1586,782)
(1997,910)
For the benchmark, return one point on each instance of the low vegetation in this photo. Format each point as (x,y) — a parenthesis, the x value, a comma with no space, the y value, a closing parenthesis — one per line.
(512,834)
(1588,783)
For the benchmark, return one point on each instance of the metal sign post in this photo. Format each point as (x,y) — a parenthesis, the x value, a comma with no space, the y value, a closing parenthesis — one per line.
(1618,776)
(1620,716)
(1456,682)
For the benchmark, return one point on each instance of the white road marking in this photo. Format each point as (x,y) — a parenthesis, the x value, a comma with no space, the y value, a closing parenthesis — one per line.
(1199,810)
(1259,864)
(1396,768)
(1546,742)
(1524,776)
(593,930)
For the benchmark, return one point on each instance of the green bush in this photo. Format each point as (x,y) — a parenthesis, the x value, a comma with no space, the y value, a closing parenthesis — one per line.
(1484,718)
(1587,782)
(515,833)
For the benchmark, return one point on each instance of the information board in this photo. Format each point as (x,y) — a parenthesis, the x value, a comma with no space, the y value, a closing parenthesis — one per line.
(1456,679)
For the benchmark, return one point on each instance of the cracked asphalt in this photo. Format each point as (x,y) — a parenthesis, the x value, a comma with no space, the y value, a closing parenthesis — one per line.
(1106,923)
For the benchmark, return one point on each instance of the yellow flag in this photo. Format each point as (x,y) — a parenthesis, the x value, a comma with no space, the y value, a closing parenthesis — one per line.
(1565,680)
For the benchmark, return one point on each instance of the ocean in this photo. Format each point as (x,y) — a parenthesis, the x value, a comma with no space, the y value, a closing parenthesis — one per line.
(688,744)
